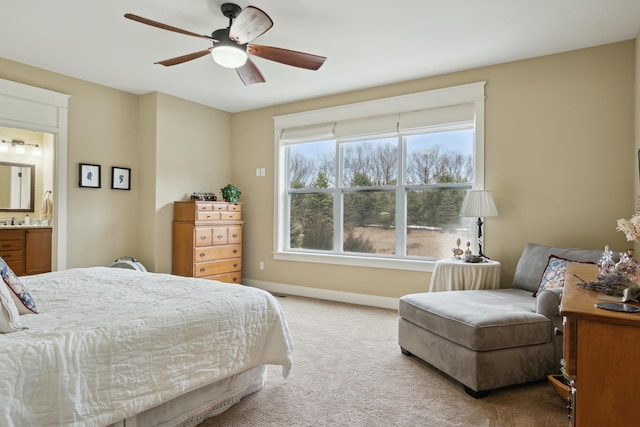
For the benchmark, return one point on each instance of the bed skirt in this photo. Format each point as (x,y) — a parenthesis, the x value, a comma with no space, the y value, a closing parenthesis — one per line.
(192,408)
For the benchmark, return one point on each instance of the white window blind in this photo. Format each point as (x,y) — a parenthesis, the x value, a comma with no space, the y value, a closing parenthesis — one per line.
(451,117)
(454,116)
(381,126)
(319,132)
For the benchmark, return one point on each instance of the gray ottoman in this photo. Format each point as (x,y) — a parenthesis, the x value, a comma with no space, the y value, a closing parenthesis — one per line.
(484,339)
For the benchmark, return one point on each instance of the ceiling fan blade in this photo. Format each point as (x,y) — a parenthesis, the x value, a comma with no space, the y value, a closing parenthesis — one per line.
(249,73)
(251,23)
(184,58)
(288,57)
(166,27)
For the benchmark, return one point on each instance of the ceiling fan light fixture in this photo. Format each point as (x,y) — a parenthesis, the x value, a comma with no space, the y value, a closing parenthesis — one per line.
(226,52)
(231,45)
(229,56)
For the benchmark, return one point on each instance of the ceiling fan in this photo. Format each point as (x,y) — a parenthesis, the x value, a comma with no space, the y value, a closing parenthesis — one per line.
(231,44)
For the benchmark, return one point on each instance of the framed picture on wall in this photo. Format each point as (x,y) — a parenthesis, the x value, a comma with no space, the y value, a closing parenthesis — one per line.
(89,175)
(120,178)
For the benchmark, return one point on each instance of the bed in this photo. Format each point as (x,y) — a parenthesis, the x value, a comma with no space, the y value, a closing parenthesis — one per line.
(117,347)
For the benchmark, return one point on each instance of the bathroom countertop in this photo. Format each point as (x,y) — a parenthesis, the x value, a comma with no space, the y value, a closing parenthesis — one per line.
(9,226)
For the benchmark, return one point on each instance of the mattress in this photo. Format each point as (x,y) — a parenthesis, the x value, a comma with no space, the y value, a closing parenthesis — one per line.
(112,343)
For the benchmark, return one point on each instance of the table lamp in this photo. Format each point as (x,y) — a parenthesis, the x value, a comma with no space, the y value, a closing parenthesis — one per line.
(478,204)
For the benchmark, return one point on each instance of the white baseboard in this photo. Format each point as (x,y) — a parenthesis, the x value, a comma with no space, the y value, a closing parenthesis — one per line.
(302,291)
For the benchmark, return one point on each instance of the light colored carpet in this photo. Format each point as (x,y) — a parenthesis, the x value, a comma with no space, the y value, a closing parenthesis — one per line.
(348,371)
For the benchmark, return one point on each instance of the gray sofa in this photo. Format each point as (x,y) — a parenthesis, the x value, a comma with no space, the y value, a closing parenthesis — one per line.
(492,338)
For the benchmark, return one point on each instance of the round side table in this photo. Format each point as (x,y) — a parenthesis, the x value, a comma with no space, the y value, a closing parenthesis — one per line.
(456,275)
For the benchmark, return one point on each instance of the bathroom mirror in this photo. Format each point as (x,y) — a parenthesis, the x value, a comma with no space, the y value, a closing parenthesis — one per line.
(17,184)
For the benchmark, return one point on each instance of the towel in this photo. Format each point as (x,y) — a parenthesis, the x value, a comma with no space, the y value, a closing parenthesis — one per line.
(47,207)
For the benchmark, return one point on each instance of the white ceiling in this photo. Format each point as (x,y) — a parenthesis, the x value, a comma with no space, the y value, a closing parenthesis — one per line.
(367,43)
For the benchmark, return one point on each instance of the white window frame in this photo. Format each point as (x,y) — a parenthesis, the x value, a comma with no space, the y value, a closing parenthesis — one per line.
(322,119)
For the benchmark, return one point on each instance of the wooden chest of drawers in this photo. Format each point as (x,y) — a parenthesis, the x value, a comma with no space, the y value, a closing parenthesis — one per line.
(207,240)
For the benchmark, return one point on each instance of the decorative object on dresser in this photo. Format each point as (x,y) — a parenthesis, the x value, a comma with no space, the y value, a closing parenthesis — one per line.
(209,197)
(27,250)
(230,193)
(207,240)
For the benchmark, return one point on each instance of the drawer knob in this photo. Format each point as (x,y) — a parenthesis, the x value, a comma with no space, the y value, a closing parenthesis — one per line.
(203,237)
(235,236)
(219,236)
(235,265)
(202,254)
(202,269)
(235,279)
(235,251)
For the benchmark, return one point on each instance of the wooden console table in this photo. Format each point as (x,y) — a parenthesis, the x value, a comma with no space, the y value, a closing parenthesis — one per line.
(602,356)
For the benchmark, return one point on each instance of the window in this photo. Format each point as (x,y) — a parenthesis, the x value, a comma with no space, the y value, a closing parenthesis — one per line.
(379,183)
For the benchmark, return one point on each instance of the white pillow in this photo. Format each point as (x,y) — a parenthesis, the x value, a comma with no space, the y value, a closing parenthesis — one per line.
(9,316)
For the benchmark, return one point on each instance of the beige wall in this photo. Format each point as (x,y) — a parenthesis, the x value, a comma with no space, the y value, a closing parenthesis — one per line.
(102,129)
(147,221)
(193,153)
(173,146)
(559,130)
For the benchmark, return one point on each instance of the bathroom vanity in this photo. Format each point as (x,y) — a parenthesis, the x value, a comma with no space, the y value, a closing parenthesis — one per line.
(26,248)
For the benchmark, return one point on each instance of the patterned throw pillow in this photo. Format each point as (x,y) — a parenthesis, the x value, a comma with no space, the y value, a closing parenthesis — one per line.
(9,316)
(553,276)
(21,297)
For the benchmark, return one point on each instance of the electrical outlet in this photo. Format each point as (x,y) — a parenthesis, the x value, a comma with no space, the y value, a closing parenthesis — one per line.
(263,172)
(257,171)
(261,265)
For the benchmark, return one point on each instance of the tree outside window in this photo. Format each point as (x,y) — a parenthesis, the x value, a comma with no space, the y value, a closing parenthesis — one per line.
(368,184)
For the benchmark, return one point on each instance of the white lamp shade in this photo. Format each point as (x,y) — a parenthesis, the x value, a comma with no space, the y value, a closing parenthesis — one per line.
(478,204)
(229,56)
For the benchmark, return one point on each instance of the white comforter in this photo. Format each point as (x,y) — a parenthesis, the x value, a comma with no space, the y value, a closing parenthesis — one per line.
(109,343)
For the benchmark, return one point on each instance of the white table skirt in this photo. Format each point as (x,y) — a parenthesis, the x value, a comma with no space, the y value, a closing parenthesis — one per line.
(456,275)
